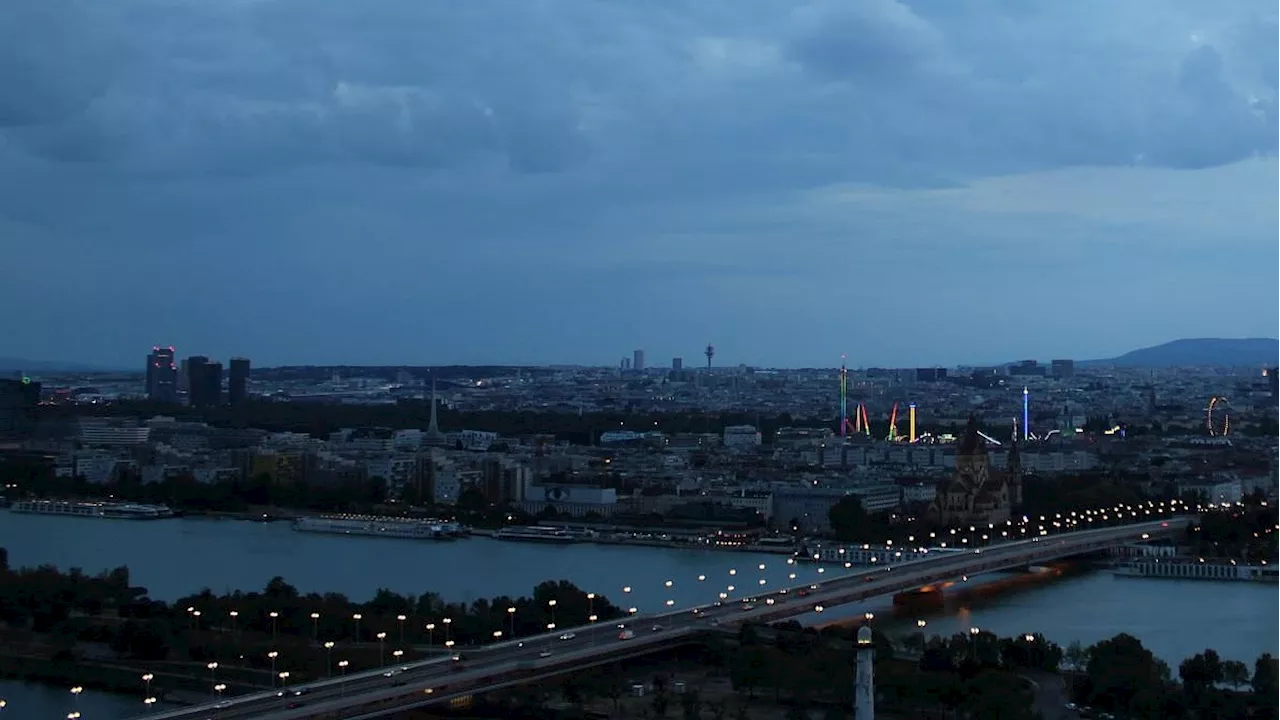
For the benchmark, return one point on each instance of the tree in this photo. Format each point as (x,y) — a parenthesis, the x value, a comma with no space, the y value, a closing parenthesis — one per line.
(1201,672)
(848,518)
(1235,674)
(1266,677)
(690,705)
(1119,669)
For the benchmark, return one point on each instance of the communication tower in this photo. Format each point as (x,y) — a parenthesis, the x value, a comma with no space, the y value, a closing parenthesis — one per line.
(710,352)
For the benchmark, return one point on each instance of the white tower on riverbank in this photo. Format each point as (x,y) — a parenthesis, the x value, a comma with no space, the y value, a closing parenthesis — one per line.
(864,688)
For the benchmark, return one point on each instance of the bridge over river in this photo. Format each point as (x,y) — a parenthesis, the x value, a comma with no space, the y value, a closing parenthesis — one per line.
(384,691)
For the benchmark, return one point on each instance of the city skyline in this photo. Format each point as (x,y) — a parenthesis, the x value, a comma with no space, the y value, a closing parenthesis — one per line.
(907,183)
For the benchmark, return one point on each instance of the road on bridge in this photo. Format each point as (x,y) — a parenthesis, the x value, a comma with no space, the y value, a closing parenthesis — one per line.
(480,668)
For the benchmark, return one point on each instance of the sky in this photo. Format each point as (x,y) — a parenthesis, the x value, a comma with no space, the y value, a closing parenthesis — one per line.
(424,182)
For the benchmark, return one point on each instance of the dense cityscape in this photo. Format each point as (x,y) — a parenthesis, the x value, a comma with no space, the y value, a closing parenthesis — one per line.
(841,469)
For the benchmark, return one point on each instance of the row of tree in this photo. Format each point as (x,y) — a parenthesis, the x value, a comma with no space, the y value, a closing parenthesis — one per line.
(106,608)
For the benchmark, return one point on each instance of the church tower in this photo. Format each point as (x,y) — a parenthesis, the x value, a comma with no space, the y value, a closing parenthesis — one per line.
(1015,470)
(434,436)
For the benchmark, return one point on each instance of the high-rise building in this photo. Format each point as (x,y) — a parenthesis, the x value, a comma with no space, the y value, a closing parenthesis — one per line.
(162,375)
(677,363)
(238,381)
(1063,368)
(637,360)
(205,380)
(18,400)
(1273,380)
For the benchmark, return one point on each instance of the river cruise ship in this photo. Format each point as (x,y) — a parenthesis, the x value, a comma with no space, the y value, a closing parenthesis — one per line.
(109,510)
(403,528)
(1190,570)
(538,533)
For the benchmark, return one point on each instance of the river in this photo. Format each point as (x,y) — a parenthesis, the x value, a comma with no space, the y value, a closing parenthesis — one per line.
(1174,618)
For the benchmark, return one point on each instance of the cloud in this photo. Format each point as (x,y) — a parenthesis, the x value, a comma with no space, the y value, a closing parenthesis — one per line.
(607,146)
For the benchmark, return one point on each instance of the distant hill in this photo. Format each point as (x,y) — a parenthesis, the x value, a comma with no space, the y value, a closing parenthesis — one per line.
(11,365)
(1226,352)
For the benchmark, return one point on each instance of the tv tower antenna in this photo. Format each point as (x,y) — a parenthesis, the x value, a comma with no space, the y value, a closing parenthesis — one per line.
(844,395)
(710,352)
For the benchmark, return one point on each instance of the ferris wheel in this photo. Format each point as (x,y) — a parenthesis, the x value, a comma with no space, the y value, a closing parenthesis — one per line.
(1217,417)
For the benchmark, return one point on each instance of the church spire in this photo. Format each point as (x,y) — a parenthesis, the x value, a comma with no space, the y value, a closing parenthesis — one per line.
(433,428)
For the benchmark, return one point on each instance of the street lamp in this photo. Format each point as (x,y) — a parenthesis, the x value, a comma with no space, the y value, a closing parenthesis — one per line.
(146,679)
(75,693)
(315,627)
(400,619)
(284,678)
(511,614)
(552,604)
(273,655)
(150,701)
(213,672)
(357,617)
(382,648)
(431,634)
(397,654)
(342,668)
(275,616)
(234,629)
(497,636)
(328,656)
(448,622)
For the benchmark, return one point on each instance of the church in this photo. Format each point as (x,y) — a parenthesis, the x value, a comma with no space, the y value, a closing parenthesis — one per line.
(975,494)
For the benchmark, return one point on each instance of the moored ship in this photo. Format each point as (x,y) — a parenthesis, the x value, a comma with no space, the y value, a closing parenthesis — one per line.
(403,528)
(108,510)
(1189,570)
(539,533)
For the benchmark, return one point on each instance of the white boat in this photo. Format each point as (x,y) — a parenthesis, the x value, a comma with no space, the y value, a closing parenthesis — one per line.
(113,511)
(540,533)
(405,528)
(1189,570)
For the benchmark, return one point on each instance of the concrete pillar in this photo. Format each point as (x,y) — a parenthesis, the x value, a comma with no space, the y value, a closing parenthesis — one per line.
(864,690)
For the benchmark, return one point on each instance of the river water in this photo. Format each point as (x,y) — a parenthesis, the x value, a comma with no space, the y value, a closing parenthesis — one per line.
(1174,618)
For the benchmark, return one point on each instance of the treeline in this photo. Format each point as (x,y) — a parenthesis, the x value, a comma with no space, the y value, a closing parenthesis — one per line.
(969,676)
(71,608)
(1245,533)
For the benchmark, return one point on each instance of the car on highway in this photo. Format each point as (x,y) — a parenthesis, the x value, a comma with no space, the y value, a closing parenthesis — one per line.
(657,628)
(544,654)
(293,692)
(568,636)
(626,635)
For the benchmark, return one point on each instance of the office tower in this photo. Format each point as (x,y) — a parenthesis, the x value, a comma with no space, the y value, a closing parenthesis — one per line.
(677,363)
(162,375)
(18,400)
(205,379)
(184,376)
(1063,368)
(238,381)
(637,361)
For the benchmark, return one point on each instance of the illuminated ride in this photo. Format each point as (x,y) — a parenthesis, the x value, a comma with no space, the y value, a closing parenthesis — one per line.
(1217,416)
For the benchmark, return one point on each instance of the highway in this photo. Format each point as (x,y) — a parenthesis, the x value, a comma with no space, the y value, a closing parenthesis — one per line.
(500,663)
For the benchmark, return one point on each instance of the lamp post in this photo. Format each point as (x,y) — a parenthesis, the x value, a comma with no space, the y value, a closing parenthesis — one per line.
(431,634)
(382,649)
(400,619)
(149,702)
(213,673)
(357,617)
(272,656)
(328,657)
(146,681)
(217,693)
(342,669)
(552,605)
(235,629)
(315,627)
(592,619)
(284,678)
(275,616)
(447,641)
(75,695)
(511,615)
(497,636)
(397,654)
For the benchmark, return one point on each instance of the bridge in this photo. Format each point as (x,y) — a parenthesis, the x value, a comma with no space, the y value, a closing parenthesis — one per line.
(383,691)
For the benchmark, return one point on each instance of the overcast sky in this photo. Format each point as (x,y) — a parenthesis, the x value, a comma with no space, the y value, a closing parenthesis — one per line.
(563,181)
